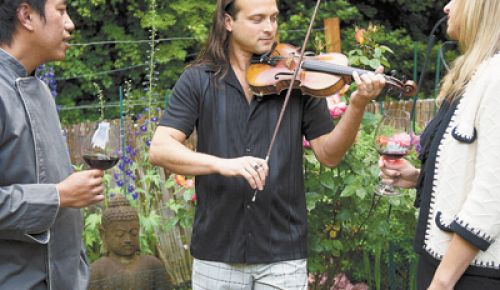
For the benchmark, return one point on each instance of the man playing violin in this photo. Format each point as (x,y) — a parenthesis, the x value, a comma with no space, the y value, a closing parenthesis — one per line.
(238,243)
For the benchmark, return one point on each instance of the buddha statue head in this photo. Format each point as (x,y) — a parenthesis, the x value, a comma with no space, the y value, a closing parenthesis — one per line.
(120,229)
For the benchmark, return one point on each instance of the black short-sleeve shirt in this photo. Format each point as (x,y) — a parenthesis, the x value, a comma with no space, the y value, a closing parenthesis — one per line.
(228,226)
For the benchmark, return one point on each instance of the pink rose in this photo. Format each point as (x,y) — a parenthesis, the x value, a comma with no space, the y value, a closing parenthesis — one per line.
(306,144)
(338,110)
(194,200)
(189,183)
(323,279)
(311,278)
(360,36)
(401,139)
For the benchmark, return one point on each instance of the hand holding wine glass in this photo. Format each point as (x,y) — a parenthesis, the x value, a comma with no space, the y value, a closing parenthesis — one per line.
(100,151)
(393,141)
(403,174)
(81,189)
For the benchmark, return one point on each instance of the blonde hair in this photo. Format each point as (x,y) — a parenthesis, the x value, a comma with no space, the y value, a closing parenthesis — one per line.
(478,39)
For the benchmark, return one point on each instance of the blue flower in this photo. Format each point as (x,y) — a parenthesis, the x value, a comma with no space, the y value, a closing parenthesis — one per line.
(418,148)
(135,195)
(148,143)
(119,183)
(47,75)
(128,172)
(144,128)
(130,188)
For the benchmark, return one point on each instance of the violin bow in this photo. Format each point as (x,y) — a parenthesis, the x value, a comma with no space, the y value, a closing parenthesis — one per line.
(290,87)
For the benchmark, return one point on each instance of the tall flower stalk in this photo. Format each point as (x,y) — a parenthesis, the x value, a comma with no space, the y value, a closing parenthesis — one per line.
(100,96)
(152,74)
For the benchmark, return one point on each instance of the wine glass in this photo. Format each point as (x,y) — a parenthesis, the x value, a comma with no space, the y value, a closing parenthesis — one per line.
(393,141)
(101,148)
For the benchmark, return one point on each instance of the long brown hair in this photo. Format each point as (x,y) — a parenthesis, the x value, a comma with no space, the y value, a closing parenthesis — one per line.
(216,50)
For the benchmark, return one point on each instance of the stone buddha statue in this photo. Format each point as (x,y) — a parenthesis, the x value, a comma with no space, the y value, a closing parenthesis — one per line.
(122,267)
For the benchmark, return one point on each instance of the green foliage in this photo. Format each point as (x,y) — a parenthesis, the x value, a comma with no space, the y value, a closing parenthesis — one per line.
(368,52)
(350,228)
(417,17)
(91,236)
(135,177)
(124,20)
(295,18)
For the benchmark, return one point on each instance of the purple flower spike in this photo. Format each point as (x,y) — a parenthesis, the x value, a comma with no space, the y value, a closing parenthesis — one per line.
(418,148)
(47,75)
(126,160)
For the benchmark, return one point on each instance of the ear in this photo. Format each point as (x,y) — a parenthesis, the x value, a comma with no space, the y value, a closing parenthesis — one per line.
(25,16)
(228,22)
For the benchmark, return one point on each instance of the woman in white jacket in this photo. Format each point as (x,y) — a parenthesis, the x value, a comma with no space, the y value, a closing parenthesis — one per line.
(458,185)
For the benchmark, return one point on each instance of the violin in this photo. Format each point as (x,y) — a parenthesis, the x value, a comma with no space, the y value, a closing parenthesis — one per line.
(319,76)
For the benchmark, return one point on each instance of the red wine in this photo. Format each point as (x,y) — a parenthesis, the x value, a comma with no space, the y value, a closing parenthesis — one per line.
(100,161)
(393,154)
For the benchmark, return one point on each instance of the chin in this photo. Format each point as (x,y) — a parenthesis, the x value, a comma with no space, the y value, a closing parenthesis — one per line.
(263,49)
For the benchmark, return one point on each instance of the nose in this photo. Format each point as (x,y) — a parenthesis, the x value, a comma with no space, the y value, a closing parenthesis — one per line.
(447,8)
(68,24)
(127,240)
(268,25)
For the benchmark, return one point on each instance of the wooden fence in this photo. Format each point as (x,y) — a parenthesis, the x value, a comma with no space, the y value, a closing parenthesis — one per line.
(425,110)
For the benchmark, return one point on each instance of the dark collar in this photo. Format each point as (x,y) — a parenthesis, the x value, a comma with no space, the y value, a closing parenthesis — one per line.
(229,78)
(11,63)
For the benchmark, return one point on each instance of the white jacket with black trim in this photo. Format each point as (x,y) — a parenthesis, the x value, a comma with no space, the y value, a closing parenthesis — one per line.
(466,187)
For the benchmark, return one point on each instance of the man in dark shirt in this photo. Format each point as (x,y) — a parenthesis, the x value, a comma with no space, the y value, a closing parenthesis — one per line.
(238,243)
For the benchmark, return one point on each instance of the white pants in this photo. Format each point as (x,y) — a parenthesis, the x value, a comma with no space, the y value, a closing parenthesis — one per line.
(285,275)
